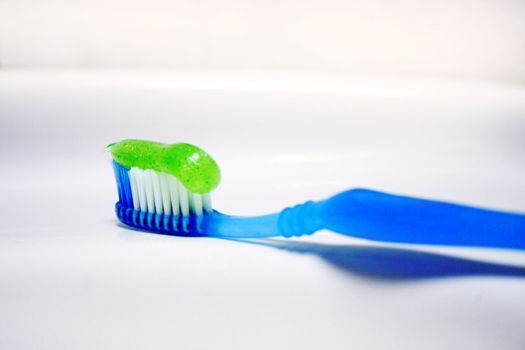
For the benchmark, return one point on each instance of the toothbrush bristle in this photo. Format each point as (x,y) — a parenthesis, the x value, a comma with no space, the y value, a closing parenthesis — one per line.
(161,193)
(158,201)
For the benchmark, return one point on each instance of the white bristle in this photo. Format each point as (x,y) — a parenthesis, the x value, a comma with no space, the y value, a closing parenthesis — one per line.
(157,192)
(206,202)
(165,192)
(134,190)
(148,185)
(157,196)
(184,200)
(197,204)
(174,194)
(139,180)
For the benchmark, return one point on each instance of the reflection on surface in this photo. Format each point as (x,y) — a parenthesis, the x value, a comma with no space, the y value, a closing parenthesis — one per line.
(393,263)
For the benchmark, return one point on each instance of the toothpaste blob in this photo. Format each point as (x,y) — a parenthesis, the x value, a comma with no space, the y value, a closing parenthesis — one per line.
(194,168)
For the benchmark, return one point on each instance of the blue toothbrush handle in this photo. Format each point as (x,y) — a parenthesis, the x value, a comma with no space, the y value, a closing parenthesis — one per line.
(385,217)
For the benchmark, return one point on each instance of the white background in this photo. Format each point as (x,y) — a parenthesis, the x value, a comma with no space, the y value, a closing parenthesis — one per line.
(451,38)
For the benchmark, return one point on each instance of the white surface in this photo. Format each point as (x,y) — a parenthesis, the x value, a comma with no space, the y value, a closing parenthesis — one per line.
(71,277)
(452,38)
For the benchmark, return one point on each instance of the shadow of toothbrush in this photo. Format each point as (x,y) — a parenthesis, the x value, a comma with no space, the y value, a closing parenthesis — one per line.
(393,263)
(388,263)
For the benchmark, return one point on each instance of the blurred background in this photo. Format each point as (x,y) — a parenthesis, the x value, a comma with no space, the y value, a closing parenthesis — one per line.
(450,38)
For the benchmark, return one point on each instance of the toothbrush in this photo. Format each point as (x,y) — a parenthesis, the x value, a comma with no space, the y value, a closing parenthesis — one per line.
(165,188)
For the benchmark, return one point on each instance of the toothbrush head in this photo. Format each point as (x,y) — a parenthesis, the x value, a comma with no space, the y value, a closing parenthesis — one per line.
(164,188)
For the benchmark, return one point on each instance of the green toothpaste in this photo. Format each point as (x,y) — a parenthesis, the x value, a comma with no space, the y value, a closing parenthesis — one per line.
(194,168)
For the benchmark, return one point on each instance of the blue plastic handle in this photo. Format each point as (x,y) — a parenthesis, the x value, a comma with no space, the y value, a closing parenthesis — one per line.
(385,217)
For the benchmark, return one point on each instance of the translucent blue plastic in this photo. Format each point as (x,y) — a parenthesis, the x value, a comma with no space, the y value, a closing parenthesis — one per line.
(358,213)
